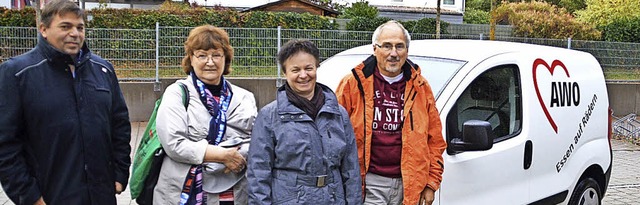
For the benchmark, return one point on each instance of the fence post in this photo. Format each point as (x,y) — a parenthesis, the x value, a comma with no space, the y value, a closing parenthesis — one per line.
(279,38)
(569,43)
(481,36)
(157,85)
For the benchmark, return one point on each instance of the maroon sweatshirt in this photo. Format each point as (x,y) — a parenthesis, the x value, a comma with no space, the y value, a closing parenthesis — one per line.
(386,141)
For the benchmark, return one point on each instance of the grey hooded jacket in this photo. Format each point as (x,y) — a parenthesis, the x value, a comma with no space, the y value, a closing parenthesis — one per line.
(290,153)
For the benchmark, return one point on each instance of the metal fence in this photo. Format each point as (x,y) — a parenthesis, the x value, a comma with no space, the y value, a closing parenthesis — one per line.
(149,54)
(477,29)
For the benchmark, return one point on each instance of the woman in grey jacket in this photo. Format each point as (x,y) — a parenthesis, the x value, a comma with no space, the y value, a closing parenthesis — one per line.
(303,148)
(198,169)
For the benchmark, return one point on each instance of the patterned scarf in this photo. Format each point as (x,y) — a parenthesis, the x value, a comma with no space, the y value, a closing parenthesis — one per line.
(192,193)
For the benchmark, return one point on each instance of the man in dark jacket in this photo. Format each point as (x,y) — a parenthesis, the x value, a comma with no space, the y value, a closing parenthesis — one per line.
(64,125)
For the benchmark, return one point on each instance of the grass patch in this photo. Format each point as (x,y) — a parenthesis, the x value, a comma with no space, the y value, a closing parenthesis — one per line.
(625,74)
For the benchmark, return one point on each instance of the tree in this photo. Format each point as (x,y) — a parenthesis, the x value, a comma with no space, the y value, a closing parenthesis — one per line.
(37,7)
(492,21)
(438,20)
(603,12)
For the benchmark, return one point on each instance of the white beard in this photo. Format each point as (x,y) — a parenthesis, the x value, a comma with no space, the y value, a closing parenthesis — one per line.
(392,70)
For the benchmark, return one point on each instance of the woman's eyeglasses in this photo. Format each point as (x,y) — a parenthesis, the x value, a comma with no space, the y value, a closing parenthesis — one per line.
(205,58)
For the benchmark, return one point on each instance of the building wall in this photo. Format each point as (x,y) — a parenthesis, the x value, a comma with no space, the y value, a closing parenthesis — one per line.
(452,19)
(295,6)
(231,3)
(5,3)
(141,97)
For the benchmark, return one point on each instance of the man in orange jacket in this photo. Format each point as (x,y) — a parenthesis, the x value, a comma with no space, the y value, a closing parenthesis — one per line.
(397,126)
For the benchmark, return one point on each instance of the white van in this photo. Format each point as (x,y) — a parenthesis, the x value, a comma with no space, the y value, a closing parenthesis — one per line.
(547,138)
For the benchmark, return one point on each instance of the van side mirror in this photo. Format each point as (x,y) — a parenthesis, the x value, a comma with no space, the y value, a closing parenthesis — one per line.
(476,136)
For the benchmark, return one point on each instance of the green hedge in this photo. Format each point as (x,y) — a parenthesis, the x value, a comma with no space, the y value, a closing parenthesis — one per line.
(425,26)
(261,19)
(18,17)
(475,16)
(622,30)
(146,19)
(365,24)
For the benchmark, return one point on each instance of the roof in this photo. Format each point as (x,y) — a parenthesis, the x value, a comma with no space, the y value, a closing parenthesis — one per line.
(327,9)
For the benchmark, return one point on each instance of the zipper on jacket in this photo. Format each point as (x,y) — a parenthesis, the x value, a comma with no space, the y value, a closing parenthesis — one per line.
(410,93)
(411,119)
(414,95)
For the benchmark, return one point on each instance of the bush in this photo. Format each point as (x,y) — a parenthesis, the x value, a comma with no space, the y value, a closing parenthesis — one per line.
(146,19)
(261,19)
(18,17)
(572,5)
(473,16)
(360,9)
(602,12)
(622,30)
(482,5)
(366,24)
(426,26)
(543,20)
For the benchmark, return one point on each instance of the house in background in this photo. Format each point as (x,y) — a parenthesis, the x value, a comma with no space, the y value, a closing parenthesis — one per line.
(234,4)
(14,4)
(297,6)
(451,11)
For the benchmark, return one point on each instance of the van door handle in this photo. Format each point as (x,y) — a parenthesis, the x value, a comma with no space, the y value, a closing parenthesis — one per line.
(528,154)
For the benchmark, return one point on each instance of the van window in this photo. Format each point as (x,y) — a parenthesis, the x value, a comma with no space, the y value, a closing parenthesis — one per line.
(494,96)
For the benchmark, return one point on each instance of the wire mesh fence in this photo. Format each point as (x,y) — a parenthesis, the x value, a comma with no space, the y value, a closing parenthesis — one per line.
(131,51)
(149,54)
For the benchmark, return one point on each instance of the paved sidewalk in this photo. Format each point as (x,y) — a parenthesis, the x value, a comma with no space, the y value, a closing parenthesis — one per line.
(624,187)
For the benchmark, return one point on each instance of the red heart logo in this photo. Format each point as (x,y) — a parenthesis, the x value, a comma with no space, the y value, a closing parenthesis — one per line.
(551,68)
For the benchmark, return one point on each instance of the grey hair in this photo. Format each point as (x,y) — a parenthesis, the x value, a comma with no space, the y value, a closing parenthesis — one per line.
(376,33)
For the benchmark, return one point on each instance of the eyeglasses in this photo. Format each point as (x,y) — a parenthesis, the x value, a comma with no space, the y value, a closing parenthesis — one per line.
(388,47)
(205,58)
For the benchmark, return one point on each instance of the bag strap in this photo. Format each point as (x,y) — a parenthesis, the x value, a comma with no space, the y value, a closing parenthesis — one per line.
(185,95)
(185,101)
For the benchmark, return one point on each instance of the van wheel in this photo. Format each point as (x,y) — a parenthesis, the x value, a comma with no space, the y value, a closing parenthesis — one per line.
(587,192)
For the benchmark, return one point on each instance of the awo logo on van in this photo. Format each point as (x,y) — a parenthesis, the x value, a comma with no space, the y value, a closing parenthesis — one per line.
(564,93)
